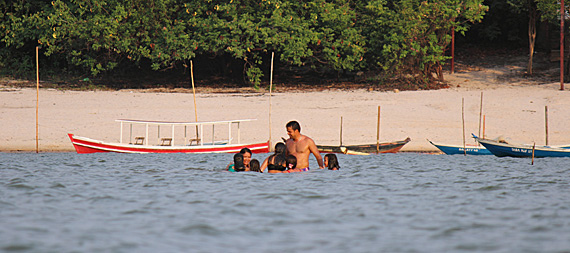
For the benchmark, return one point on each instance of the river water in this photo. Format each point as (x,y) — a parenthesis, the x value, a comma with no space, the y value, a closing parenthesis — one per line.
(65,202)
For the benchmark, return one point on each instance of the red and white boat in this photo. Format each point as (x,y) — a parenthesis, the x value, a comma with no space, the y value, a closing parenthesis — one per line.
(141,144)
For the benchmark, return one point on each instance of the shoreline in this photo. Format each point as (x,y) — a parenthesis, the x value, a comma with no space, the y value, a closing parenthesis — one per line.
(511,110)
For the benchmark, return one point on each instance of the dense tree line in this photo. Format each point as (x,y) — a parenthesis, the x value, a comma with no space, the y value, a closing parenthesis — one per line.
(400,38)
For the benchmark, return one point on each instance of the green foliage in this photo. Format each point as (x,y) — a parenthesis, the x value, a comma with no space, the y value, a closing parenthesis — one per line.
(414,34)
(98,36)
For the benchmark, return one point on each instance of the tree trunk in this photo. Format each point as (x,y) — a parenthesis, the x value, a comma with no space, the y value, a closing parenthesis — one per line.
(532,17)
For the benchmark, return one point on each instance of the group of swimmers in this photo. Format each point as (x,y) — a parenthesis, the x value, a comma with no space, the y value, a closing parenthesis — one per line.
(291,156)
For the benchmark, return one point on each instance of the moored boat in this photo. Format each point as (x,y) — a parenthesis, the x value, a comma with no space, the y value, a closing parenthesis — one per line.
(502,148)
(365,149)
(167,144)
(460,150)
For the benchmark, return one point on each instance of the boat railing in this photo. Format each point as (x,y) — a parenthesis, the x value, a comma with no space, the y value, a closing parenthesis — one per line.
(198,125)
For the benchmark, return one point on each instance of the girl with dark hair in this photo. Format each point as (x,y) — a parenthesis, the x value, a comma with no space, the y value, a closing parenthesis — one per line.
(254,165)
(279,150)
(331,162)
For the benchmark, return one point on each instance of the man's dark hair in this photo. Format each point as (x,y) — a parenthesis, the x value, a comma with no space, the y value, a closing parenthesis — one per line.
(294,125)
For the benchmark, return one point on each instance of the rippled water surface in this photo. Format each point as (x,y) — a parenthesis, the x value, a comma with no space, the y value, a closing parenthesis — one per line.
(65,202)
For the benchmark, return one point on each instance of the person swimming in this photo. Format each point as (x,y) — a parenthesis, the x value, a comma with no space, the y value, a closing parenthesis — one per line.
(331,162)
(246,153)
(254,165)
(279,149)
(279,165)
(237,165)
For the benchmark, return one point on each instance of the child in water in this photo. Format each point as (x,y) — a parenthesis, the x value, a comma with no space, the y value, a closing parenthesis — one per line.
(331,162)
(254,165)
(291,164)
(238,163)
(279,165)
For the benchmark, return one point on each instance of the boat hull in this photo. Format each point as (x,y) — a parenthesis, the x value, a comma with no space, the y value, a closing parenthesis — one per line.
(365,149)
(459,150)
(523,150)
(85,145)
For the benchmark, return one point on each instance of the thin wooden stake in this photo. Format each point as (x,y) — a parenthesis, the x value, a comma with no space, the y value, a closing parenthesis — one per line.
(480,113)
(483,136)
(546,122)
(562,17)
(378,133)
(37,100)
(452,49)
(270,88)
(340,131)
(463,120)
(532,161)
(194,93)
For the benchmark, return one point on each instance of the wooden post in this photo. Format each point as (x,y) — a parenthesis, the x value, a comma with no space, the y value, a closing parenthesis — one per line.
(532,161)
(546,122)
(480,113)
(452,49)
(562,16)
(483,137)
(340,131)
(270,88)
(378,133)
(463,120)
(37,100)
(194,93)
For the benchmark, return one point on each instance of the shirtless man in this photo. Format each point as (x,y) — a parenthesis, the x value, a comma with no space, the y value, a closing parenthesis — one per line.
(301,146)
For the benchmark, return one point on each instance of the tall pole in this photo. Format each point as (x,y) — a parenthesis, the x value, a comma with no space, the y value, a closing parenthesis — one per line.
(194,93)
(463,120)
(37,99)
(480,113)
(453,50)
(562,16)
(340,131)
(378,133)
(546,122)
(270,90)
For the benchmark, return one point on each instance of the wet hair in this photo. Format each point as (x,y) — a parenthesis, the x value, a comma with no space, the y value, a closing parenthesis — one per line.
(291,162)
(294,125)
(279,163)
(254,165)
(280,148)
(333,161)
(245,150)
(238,162)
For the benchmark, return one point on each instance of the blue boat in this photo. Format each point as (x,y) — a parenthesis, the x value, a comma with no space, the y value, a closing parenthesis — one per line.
(459,150)
(502,148)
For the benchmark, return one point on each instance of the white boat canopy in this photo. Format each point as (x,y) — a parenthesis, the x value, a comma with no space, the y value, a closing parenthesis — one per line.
(170,140)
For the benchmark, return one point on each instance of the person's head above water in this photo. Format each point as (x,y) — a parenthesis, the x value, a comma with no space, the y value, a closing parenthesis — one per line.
(280,148)
(291,162)
(279,164)
(246,152)
(294,125)
(238,162)
(331,162)
(254,165)
(293,129)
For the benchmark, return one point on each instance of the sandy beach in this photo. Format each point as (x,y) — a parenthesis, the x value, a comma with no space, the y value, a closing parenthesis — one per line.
(513,109)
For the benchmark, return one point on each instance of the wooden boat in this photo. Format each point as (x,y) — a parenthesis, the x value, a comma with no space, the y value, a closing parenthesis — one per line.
(167,144)
(365,149)
(502,148)
(469,149)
